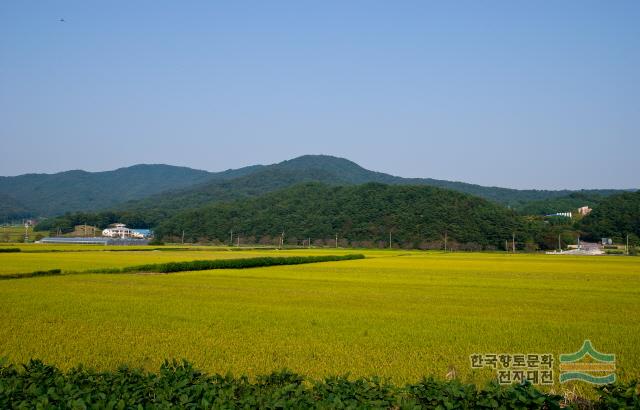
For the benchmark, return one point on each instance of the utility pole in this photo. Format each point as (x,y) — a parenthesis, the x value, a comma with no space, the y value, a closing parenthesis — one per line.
(238,241)
(559,243)
(282,240)
(389,239)
(445,241)
(578,241)
(183,236)
(309,242)
(513,242)
(336,241)
(231,238)
(506,245)
(627,244)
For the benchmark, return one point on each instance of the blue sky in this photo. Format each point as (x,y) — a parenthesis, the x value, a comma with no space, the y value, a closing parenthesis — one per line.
(540,94)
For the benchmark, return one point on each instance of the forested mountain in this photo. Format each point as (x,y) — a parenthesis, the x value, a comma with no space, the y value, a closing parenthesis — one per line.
(11,208)
(362,215)
(616,217)
(54,194)
(330,170)
(346,171)
(265,180)
(148,194)
(250,182)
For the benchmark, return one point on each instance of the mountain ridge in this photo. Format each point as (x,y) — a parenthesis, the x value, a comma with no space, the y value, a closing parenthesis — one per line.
(142,186)
(78,190)
(333,171)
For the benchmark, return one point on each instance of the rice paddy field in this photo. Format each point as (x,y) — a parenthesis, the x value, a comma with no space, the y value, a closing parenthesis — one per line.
(399,314)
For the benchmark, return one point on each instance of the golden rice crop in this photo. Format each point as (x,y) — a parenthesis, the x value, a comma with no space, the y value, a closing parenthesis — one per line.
(397,315)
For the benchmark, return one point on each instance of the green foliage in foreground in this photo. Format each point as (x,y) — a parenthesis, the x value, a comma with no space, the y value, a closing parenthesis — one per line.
(9,250)
(38,385)
(620,396)
(230,263)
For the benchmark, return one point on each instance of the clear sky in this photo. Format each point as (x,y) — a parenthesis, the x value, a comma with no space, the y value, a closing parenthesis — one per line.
(524,94)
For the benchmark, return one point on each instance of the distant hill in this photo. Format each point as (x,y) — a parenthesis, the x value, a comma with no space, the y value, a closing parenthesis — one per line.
(264,180)
(11,209)
(54,194)
(325,169)
(204,188)
(615,217)
(345,171)
(362,214)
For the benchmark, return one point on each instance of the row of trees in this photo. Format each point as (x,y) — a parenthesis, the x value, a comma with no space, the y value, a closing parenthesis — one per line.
(373,215)
(365,215)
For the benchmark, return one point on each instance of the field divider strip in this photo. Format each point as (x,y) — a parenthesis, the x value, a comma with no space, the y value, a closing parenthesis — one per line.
(239,263)
(198,265)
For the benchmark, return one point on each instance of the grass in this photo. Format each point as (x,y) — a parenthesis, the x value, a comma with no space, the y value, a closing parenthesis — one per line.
(401,315)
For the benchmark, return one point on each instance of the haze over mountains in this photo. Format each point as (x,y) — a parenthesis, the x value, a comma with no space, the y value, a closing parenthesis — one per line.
(165,189)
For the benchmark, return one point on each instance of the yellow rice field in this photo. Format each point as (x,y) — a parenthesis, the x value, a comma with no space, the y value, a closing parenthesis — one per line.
(397,314)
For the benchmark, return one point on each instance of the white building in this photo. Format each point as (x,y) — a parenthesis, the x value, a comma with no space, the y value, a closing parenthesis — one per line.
(565,214)
(584,210)
(121,231)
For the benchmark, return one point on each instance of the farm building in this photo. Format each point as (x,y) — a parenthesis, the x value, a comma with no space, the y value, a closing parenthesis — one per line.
(121,231)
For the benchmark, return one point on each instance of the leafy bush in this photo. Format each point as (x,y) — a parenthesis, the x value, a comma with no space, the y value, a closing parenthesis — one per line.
(9,250)
(620,396)
(180,385)
(432,393)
